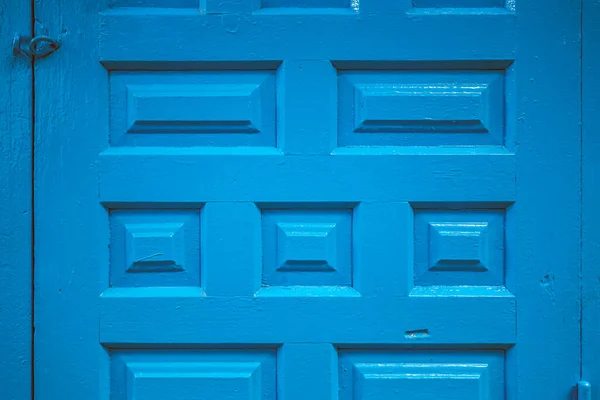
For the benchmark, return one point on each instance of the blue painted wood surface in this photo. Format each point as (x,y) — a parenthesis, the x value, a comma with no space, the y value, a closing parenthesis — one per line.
(546,242)
(15,210)
(590,324)
(261,200)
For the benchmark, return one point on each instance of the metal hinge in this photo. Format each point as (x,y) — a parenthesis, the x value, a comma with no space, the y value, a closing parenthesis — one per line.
(584,390)
(34,47)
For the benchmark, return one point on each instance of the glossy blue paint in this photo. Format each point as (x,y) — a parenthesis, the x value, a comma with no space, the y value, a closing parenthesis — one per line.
(421,375)
(288,200)
(459,247)
(15,211)
(307,247)
(424,108)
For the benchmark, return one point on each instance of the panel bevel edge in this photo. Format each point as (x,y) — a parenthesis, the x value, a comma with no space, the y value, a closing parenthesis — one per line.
(424,65)
(112,206)
(462,205)
(510,110)
(164,66)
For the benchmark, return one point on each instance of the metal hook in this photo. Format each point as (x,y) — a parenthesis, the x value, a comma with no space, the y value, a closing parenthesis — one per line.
(29,47)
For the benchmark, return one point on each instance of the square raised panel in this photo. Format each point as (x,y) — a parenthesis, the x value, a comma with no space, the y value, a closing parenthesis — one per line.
(193,375)
(424,108)
(155,248)
(459,247)
(421,375)
(307,247)
(192,108)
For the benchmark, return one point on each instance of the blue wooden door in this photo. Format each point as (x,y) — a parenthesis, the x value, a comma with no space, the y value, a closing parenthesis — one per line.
(296,199)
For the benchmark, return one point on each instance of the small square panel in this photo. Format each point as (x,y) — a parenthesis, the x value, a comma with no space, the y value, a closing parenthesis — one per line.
(155,248)
(459,247)
(456,246)
(193,375)
(307,247)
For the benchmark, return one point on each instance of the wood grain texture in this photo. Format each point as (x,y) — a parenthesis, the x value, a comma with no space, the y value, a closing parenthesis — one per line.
(15,213)
(590,323)
(544,223)
(70,104)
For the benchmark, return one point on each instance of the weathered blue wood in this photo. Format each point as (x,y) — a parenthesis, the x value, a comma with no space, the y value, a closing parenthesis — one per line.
(407,37)
(387,197)
(543,225)
(70,104)
(221,222)
(15,212)
(299,363)
(590,238)
(128,315)
(274,178)
(310,135)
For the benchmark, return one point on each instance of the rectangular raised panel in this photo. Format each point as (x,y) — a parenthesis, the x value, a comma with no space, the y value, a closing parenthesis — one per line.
(406,109)
(193,375)
(375,381)
(231,380)
(421,375)
(307,247)
(424,108)
(459,247)
(154,248)
(202,108)
(208,108)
